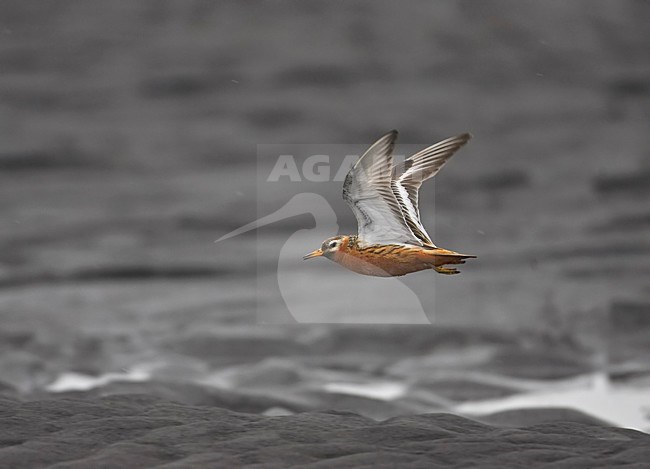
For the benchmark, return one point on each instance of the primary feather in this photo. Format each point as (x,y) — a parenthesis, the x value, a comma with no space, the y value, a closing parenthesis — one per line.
(418,168)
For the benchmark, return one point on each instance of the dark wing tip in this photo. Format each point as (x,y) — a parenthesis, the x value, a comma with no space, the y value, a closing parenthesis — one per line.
(458,140)
(390,136)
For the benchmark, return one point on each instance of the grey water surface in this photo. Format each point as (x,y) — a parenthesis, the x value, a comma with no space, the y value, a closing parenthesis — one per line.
(130,137)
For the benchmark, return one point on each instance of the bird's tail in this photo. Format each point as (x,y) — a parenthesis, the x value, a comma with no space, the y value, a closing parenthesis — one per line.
(441,257)
(439,252)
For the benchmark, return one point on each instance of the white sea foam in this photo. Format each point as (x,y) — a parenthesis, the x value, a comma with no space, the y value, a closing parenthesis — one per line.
(623,406)
(72,381)
(384,391)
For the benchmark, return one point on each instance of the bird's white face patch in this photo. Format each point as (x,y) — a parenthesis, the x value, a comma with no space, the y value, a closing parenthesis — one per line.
(331,245)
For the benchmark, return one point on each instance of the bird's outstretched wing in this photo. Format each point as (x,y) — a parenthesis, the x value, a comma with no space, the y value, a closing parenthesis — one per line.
(367,189)
(417,169)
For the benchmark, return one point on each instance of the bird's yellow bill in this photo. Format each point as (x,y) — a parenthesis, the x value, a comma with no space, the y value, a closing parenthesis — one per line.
(316,253)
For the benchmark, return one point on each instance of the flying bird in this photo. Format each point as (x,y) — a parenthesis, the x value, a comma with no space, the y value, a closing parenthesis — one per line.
(391,239)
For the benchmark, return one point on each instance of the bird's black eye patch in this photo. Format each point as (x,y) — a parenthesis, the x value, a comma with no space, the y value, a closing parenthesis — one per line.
(332,244)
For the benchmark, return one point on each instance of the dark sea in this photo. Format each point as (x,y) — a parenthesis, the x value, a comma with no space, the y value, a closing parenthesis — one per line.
(135,134)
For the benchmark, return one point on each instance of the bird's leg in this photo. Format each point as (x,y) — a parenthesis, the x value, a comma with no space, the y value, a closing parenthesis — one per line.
(442,270)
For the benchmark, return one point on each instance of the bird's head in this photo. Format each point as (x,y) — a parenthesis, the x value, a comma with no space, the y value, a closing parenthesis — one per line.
(328,249)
